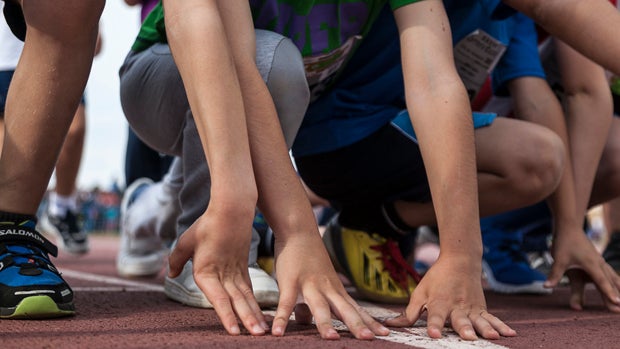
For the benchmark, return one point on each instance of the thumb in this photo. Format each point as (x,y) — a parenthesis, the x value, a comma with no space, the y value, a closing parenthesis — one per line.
(555,275)
(181,253)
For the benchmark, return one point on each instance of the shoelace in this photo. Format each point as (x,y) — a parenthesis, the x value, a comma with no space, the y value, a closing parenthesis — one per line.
(395,264)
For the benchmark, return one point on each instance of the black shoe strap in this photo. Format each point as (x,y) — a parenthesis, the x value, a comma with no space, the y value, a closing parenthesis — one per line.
(14,233)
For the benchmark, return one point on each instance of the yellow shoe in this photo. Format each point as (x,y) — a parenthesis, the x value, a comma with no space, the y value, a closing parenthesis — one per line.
(372,263)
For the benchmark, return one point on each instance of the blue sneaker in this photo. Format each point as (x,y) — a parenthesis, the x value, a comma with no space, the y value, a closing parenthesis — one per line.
(30,286)
(505,264)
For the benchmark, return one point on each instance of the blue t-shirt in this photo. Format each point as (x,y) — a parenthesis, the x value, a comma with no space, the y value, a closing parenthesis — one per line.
(369,93)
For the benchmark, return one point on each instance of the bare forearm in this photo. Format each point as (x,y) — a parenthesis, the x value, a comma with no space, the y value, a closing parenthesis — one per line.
(281,196)
(441,115)
(213,90)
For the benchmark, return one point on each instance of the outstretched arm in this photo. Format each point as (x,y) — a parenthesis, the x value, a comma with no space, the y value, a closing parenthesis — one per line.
(303,266)
(588,113)
(247,156)
(219,240)
(441,114)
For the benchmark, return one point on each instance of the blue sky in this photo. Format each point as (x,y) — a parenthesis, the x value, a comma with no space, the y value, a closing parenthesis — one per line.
(106,133)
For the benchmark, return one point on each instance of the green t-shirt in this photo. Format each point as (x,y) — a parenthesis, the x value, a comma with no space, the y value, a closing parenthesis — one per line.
(327,32)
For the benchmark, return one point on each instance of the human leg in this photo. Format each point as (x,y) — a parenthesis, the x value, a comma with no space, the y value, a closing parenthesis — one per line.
(384,191)
(60,220)
(141,161)
(30,150)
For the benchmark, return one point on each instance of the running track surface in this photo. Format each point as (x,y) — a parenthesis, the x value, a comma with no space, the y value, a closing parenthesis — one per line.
(113,312)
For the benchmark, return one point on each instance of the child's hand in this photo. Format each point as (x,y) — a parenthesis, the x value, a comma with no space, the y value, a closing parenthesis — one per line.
(573,250)
(304,272)
(219,246)
(452,291)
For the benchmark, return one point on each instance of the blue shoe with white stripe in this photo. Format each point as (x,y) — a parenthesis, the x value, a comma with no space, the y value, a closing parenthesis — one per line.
(30,286)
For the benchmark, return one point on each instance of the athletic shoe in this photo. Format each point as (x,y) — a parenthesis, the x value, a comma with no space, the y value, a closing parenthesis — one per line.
(373,264)
(541,261)
(66,231)
(183,288)
(142,252)
(505,265)
(30,286)
(612,252)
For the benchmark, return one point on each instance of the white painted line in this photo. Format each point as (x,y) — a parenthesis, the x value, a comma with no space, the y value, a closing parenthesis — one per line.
(111,280)
(111,289)
(414,336)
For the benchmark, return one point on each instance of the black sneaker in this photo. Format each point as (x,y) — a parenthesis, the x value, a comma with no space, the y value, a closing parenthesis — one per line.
(612,251)
(30,286)
(66,232)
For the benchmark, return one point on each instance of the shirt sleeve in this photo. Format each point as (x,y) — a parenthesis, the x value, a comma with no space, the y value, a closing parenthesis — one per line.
(521,58)
(399,3)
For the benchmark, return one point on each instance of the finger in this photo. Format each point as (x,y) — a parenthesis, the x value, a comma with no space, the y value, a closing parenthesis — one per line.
(351,315)
(246,307)
(180,254)
(483,325)
(218,297)
(286,304)
(375,326)
(322,314)
(577,289)
(497,324)
(613,302)
(411,314)
(555,275)
(255,308)
(436,321)
(462,325)
(606,282)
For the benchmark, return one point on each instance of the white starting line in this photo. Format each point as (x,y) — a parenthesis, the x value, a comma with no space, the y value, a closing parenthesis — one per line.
(413,336)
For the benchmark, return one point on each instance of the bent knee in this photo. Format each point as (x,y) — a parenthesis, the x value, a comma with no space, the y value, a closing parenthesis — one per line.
(541,164)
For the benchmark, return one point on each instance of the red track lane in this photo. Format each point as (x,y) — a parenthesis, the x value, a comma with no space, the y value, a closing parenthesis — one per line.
(114,313)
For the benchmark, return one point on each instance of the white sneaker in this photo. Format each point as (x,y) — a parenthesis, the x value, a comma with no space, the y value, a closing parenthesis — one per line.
(142,252)
(264,286)
(184,290)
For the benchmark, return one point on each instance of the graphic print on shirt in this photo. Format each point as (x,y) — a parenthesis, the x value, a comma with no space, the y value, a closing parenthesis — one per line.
(327,34)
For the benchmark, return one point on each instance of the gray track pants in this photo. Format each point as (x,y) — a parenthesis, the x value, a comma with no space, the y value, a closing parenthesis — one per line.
(156,106)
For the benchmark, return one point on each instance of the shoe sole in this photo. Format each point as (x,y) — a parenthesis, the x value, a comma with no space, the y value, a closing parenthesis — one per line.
(535,287)
(37,307)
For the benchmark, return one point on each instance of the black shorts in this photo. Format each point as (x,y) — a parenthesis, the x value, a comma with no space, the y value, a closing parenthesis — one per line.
(361,178)
(15,18)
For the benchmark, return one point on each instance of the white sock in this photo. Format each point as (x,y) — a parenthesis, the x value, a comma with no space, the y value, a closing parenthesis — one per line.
(60,204)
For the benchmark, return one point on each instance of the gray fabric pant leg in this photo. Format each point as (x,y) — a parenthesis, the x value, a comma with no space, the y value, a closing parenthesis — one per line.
(156,107)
